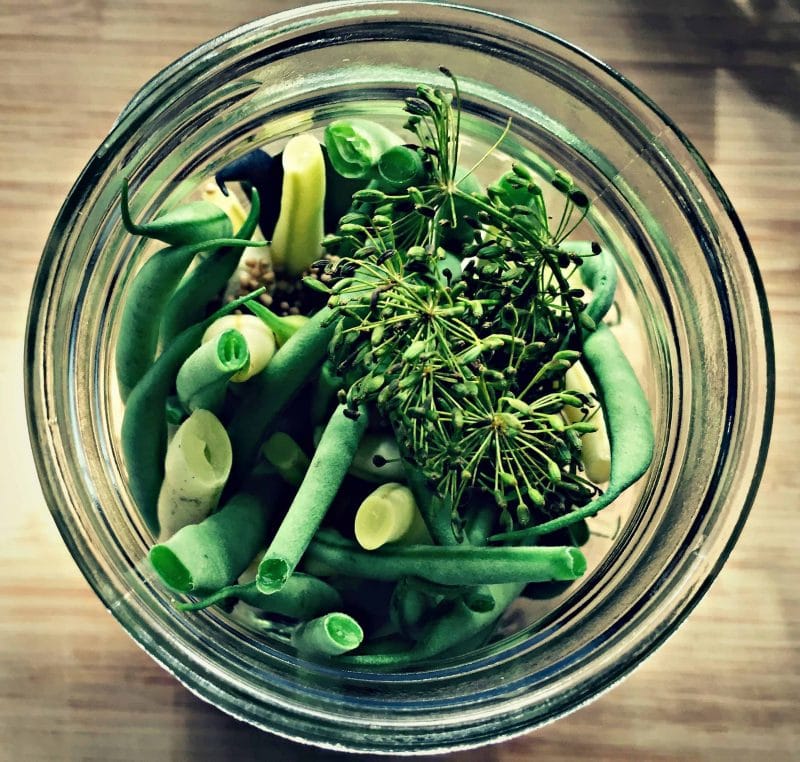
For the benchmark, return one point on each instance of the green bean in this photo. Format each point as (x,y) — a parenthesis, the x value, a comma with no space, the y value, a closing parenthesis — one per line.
(629,422)
(457,565)
(398,168)
(205,282)
(144,426)
(269,391)
(599,273)
(458,626)
(196,222)
(203,379)
(287,457)
(302,597)
(436,514)
(144,305)
(326,388)
(324,477)
(355,145)
(211,554)
(328,635)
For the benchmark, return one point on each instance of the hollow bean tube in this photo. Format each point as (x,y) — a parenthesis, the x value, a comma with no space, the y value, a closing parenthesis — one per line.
(329,635)
(325,474)
(203,379)
(456,565)
(629,422)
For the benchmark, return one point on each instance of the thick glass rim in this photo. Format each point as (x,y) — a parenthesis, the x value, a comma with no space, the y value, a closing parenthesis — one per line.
(130,120)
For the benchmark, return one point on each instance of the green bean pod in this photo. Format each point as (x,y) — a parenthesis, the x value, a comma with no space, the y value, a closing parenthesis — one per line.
(458,626)
(329,635)
(203,379)
(599,273)
(325,474)
(211,554)
(269,391)
(204,283)
(302,597)
(196,222)
(144,426)
(462,565)
(144,305)
(355,145)
(629,422)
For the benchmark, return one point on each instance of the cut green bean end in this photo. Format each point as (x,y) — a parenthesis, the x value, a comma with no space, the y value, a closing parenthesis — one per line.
(577,561)
(232,351)
(344,631)
(272,575)
(169,567)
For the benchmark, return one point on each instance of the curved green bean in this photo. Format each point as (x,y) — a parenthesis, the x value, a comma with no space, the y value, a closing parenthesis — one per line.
(302,597)
(630,428)
(196,222)
(190,300)
(144,305)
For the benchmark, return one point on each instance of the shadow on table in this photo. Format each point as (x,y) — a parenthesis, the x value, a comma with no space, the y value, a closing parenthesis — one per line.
(758,41)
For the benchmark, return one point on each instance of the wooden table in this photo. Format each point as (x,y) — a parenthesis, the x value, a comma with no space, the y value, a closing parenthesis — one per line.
(726,686)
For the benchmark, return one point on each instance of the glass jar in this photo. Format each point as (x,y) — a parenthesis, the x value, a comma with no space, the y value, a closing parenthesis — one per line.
(693,305)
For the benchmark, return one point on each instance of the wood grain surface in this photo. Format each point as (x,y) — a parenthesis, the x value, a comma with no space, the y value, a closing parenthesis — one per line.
(73,686)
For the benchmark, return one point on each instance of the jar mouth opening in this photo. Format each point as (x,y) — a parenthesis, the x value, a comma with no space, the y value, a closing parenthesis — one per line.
(61,436)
